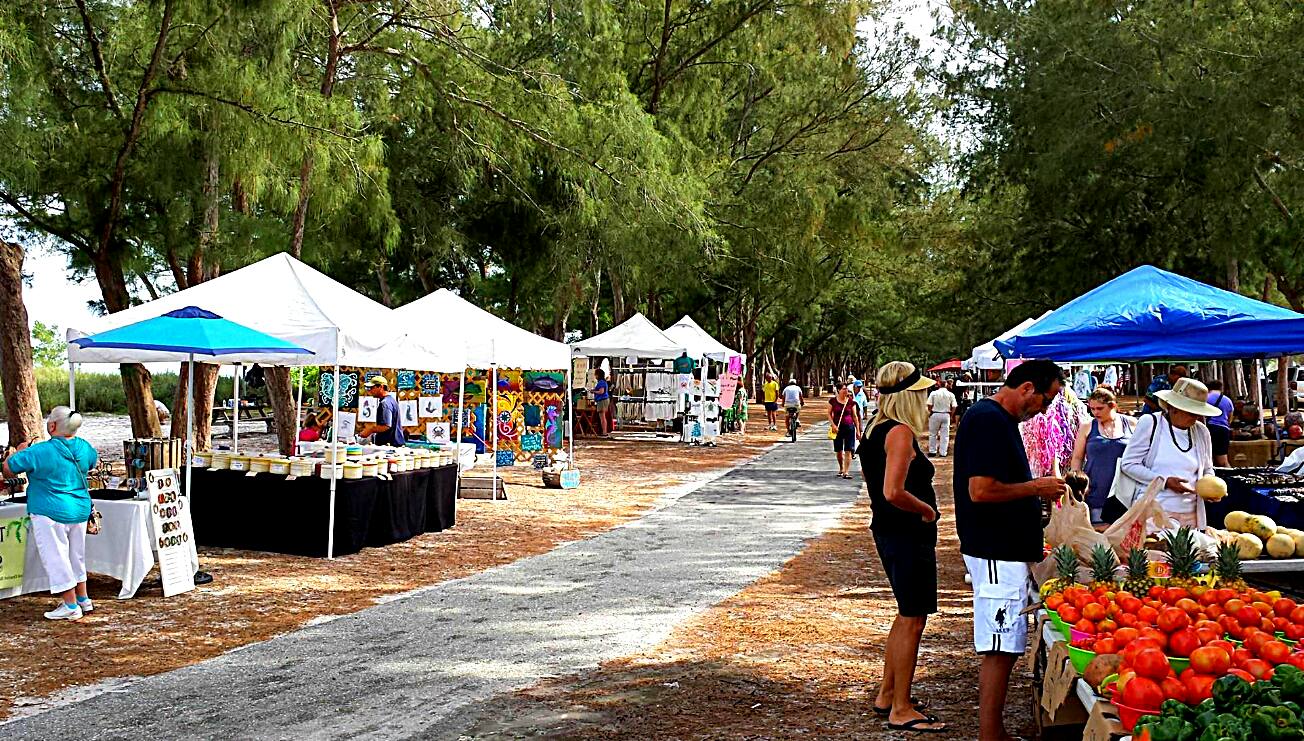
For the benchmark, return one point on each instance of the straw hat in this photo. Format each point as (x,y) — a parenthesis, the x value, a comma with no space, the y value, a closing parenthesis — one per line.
(1189,395)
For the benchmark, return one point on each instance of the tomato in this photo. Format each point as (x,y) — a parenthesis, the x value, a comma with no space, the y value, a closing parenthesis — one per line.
(1242,674)
(1199,687)
(1152,663)
(1173,619)
(1295,631)
(1297,660)
(1148,614)
(1275,652)
(1108,646)
(1082,600)
(1143,693)
(1255,641)
(1211,660)
(1093,612)
(1210,597)
(1263,607)
(1232,627)
(1240,656)
(1227,646)
(1187,604)
(1156,635)
(1266,624)
(1125,675)
(1297,615)
(1136,646)
(1284,607)
(1183,642)
(1173,689)
(1069,614)
(1214,611)
(1155,592)
(1132,604)
(1279,623)
(1124,636)
(1232,605)
(1085,626)
(1127,619)
(1259,668)
(1248,616)
(1208,635)
(1107,626)
(1173,594)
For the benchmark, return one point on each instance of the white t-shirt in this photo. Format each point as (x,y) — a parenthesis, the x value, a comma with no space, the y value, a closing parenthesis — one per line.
(942,401)
(1170,461)
(792,396)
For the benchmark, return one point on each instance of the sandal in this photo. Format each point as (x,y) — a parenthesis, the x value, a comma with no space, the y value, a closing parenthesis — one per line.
(915,702)
(913,725)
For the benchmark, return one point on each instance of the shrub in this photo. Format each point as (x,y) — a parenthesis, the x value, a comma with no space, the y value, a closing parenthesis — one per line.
(102,392)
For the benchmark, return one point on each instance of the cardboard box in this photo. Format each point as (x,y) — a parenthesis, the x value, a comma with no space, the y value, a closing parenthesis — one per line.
(1103,723)
(1250,453)
(1059,698)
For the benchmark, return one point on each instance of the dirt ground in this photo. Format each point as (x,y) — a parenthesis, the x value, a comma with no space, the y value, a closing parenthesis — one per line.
(255,596)
(797,655)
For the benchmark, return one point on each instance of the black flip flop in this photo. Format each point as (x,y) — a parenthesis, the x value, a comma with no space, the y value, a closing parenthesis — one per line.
(913,725)
(915,703)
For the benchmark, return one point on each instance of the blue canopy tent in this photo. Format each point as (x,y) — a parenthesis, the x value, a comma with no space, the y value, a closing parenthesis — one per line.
(181,335)
(1150,314)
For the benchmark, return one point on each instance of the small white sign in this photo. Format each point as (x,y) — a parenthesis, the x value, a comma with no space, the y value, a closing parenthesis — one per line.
(345,425)
(432,407)
(174,532)
(367,409)
(407,412)
(437,432)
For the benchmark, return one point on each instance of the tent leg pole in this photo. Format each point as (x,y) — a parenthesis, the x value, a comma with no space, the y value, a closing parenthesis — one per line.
(190,419)
(335,427)
(570,414)
(72,385)
(298,407)
(491,418)
(235,411)
(458,421)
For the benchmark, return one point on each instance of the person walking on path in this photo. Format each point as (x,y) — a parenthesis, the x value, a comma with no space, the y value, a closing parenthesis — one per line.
(1220,427)
(59,505)
(941,409)
(1099,445)
(770,397)
(862,403)
(844,427)
(998,520)
(900,483)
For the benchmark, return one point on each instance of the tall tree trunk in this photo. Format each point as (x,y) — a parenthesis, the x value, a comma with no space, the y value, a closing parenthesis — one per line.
(383,279)
(135,377)
(597,301)
(618,298)
(1283,384)
(280,392)
(22,404)
(298,225)
(1234,370)
(205,386)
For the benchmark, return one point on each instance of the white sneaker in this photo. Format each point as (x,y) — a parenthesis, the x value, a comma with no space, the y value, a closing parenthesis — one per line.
(86,605)
(64,612)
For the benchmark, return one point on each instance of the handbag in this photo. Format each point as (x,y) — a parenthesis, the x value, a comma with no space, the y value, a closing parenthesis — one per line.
(833,428)
(1126,489)
(94,523)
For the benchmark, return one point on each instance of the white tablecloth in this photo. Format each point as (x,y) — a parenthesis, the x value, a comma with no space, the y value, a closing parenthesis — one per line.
(124,549)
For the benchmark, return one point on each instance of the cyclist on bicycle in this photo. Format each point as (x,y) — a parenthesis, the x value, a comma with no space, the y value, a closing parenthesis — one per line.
(792,399)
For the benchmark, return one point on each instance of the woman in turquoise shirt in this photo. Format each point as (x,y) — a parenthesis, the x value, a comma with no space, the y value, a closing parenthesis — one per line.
(59,506)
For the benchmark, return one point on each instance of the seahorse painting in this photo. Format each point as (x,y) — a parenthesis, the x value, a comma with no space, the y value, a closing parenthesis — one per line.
(552,425)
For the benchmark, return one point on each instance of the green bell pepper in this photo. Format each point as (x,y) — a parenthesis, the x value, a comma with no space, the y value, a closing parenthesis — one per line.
(1264,693)
(1168,728)
(1291,682)
(1276,724)
(1177,709)
(1230,692)
(1226,727)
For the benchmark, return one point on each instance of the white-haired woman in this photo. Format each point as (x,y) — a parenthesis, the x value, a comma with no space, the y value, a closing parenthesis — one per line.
(59,506)
(899,478)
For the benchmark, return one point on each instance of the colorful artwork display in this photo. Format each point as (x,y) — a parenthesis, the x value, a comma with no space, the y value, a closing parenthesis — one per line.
(348,389)
(405,380)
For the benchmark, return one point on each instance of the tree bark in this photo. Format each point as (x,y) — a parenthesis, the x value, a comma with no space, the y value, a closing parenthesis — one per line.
(1234,370)
(1283,384)
(280,392)
(17,374)
(617,299)
(140,400)
(205,386)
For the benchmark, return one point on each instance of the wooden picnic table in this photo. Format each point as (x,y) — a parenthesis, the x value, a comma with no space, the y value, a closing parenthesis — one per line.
(225,416)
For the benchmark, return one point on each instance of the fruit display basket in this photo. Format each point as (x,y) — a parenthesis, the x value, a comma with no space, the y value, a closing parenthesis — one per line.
(1080,657)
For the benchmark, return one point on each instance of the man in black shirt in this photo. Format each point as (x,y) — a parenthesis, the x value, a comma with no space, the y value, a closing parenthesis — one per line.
(998,519)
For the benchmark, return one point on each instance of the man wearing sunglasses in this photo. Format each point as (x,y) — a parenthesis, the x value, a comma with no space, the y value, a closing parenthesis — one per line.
(998,519)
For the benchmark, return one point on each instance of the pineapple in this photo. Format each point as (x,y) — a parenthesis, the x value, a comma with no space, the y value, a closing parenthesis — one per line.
(1228,568)
(1103,563)
(1138,575)
(1183,557)
(1066,570)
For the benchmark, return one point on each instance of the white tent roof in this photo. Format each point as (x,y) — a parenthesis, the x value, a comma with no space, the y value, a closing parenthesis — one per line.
(285,298)
(489,339)
(636,337)
(697,341)
(987,357)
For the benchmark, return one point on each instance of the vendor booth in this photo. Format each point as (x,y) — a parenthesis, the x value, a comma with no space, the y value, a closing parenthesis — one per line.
(714,388)
(518,382)
(644,387)
(353,336)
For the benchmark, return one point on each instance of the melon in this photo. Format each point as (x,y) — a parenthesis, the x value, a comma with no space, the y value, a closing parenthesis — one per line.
(1249,546)
(1211,488)
(1281,546)
(1298,537)
(1262,526)
(1235,521)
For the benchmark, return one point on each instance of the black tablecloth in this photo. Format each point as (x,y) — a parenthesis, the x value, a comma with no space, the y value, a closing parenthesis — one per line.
(270,512)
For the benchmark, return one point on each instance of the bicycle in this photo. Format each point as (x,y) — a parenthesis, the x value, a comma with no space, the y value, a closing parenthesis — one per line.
(793,424)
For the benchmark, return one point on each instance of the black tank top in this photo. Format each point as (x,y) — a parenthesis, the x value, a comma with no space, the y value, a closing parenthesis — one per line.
(919,482)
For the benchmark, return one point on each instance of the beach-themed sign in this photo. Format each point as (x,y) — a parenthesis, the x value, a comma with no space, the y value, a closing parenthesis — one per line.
(432,407)
(345,425)
(407,412)
(367,408)
(348,389)
(431,383)
(174,533)
(505,458)
(544,380)
(438,432)
(405,380)
(14,533)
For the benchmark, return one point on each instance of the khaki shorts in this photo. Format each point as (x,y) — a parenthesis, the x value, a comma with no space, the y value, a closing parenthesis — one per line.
(603,404)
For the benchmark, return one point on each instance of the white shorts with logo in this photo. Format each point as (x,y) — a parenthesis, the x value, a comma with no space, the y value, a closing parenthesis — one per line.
(1001,591)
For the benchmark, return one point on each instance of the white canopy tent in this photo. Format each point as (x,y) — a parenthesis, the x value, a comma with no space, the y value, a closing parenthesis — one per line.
(635,337)
(987,357)
(287,299)
(698,342)
(491,342)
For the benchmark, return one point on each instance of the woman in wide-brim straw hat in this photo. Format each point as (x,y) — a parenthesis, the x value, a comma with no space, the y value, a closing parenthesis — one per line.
(1175,445)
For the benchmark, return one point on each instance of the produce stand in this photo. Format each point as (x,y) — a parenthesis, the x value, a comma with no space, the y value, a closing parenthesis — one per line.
(1064,705)
(1260,491)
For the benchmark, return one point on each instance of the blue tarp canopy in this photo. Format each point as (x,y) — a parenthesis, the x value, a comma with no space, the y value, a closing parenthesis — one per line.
(1152,314)
(191,330)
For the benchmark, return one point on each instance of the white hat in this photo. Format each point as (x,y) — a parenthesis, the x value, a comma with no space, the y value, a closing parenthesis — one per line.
(1189,395)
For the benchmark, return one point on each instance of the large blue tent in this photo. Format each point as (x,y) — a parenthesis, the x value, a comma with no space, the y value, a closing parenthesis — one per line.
(191,331)
(1152,314)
